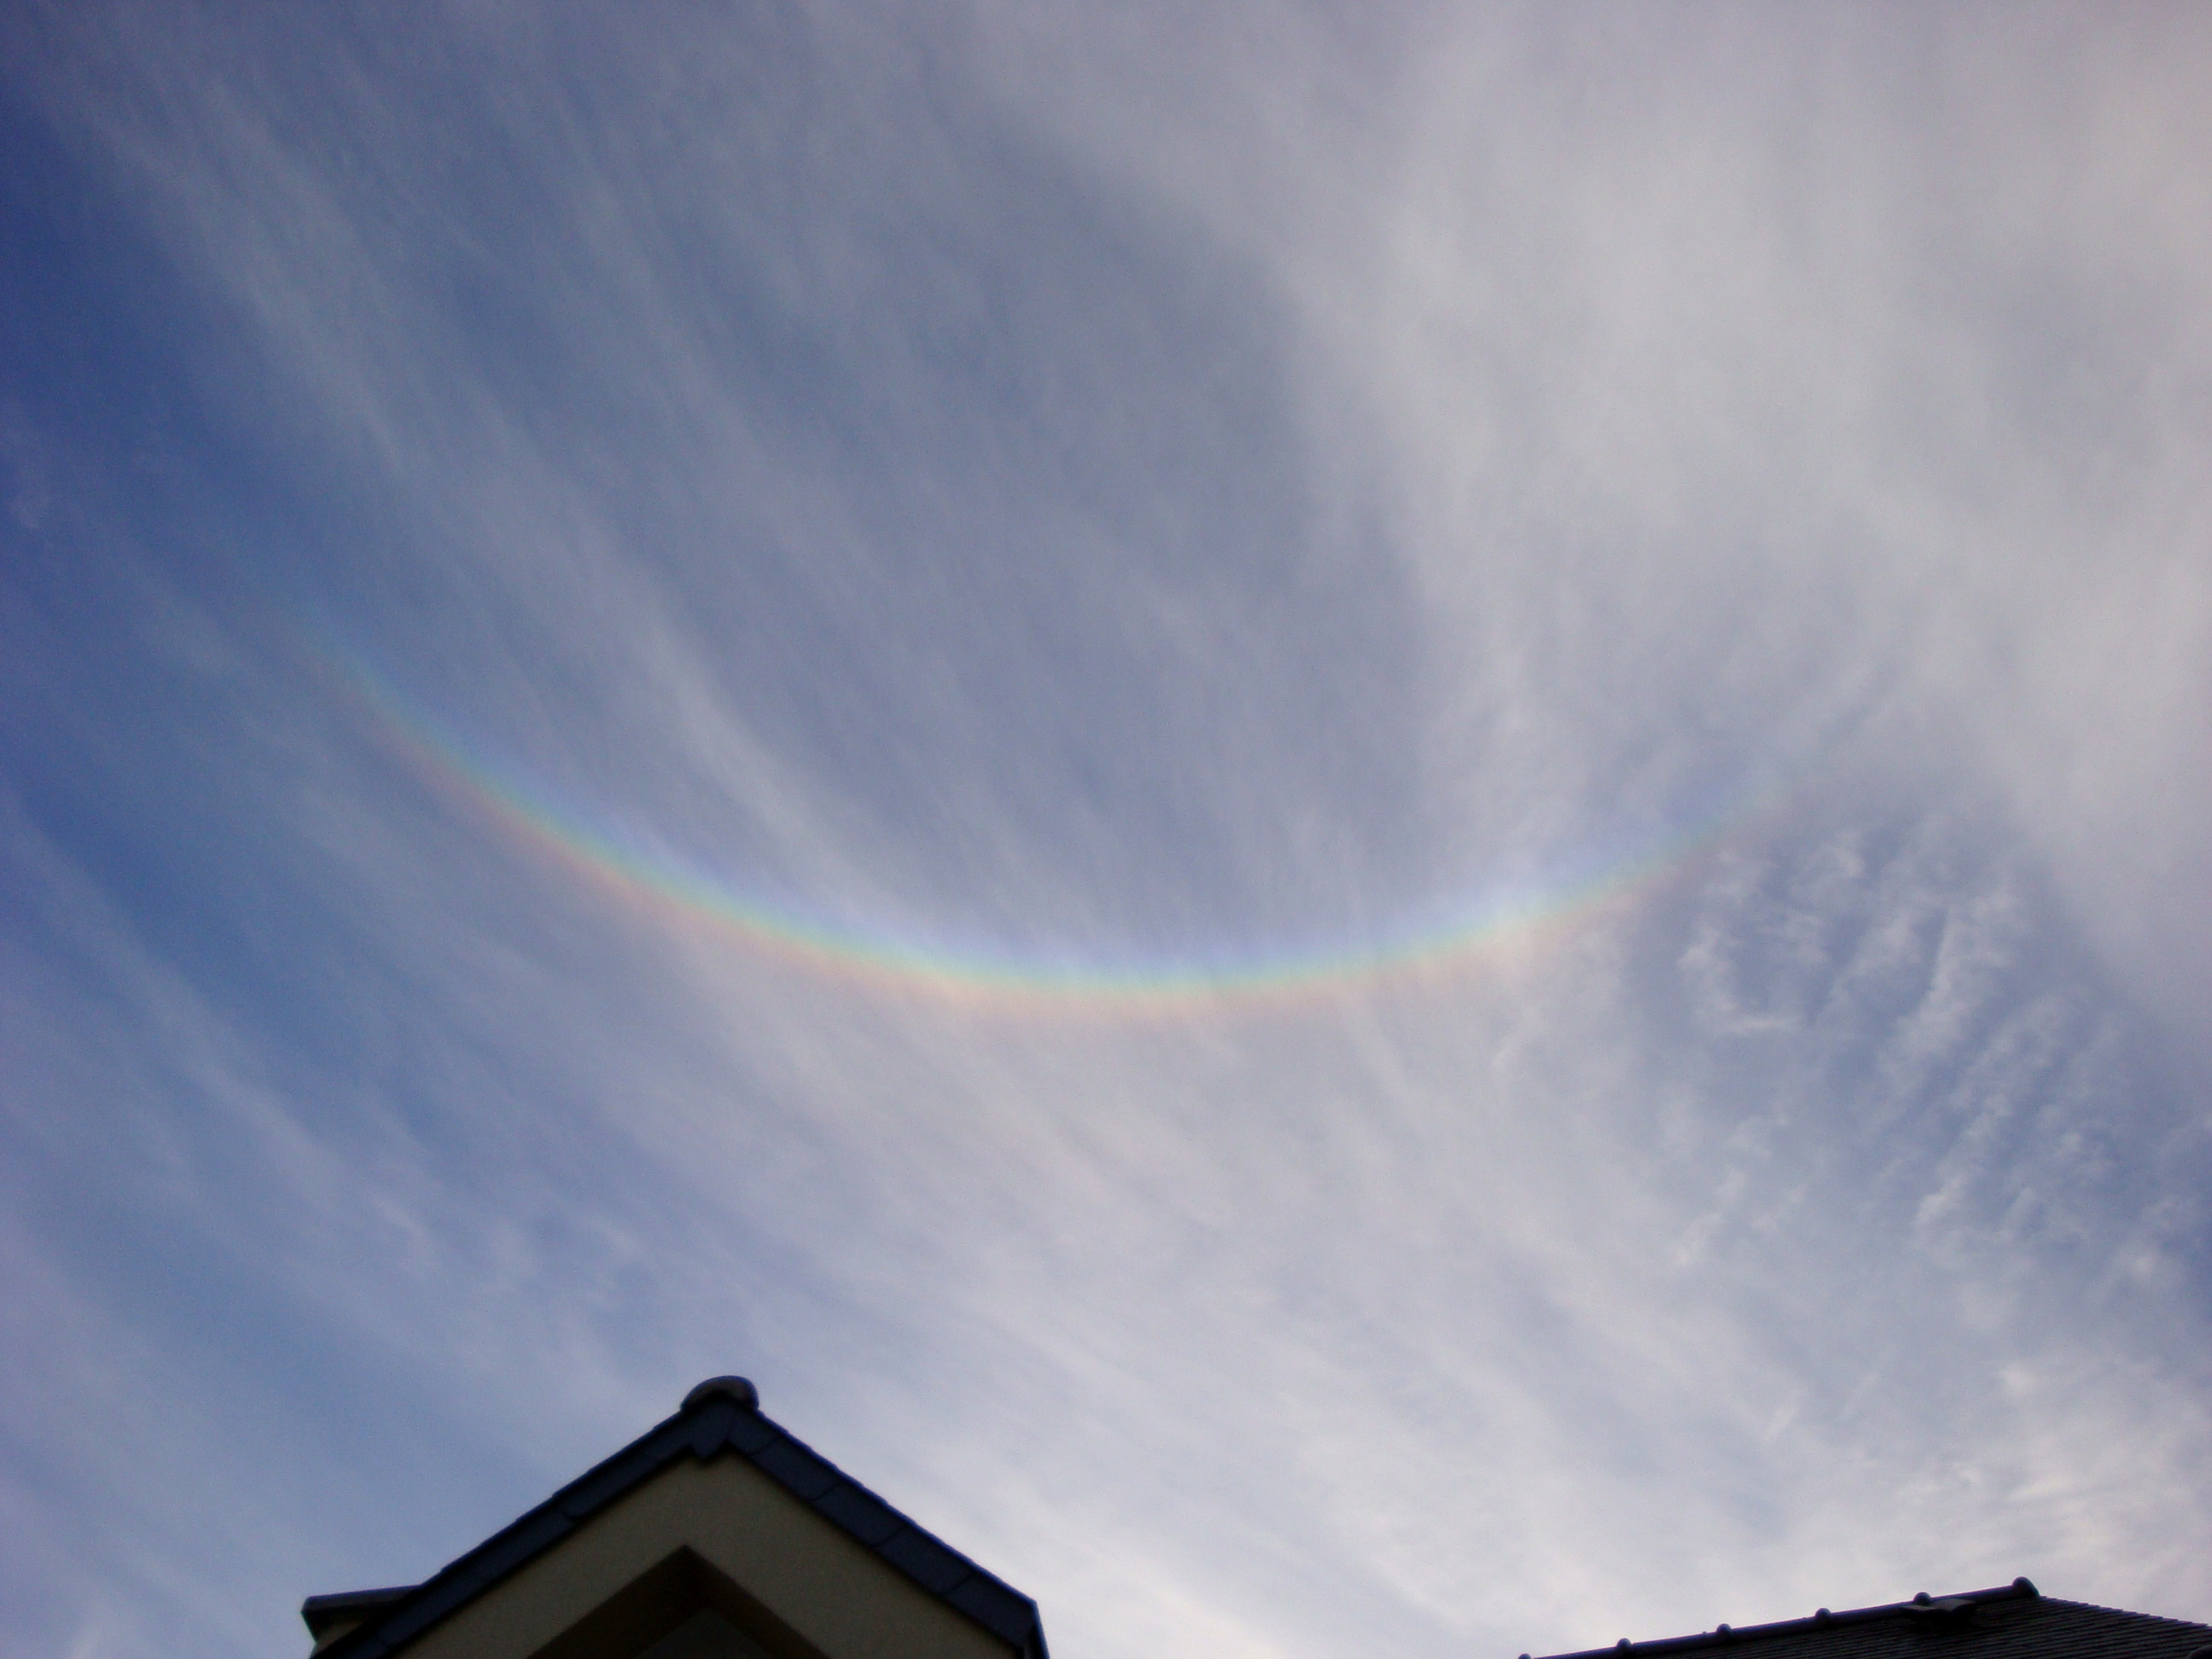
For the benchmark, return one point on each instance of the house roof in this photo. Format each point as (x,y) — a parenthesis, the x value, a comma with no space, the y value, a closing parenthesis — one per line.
(721,1416)
(2013,1621)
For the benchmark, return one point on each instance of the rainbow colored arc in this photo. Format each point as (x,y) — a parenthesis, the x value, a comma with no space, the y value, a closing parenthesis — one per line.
(931,969)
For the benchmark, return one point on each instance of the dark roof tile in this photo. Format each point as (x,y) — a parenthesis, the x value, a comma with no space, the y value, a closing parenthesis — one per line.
(505,1551)
(1008,1613)
(795,1467)
(923,1559)
(712,1428)
(319,1612)
(750,1431)
(596,1487)
(418,1614)
(859,1512)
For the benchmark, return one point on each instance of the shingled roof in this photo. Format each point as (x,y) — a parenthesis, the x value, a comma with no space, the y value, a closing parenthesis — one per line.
(721,1416)
(2013,1621)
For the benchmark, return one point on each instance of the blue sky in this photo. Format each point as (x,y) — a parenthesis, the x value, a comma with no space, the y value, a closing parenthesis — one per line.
(1368,828)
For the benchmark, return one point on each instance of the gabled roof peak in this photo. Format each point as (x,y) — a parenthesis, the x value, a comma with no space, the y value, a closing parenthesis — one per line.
(721,1417)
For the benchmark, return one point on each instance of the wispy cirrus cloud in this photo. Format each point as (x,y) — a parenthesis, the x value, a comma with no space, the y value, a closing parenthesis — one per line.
(1140,491)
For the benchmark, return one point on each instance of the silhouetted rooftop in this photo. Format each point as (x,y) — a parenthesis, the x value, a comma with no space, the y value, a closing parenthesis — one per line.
(2013,1621)
(721,1414)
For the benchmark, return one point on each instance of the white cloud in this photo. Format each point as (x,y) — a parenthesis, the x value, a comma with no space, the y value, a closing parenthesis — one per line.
(1082,479)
